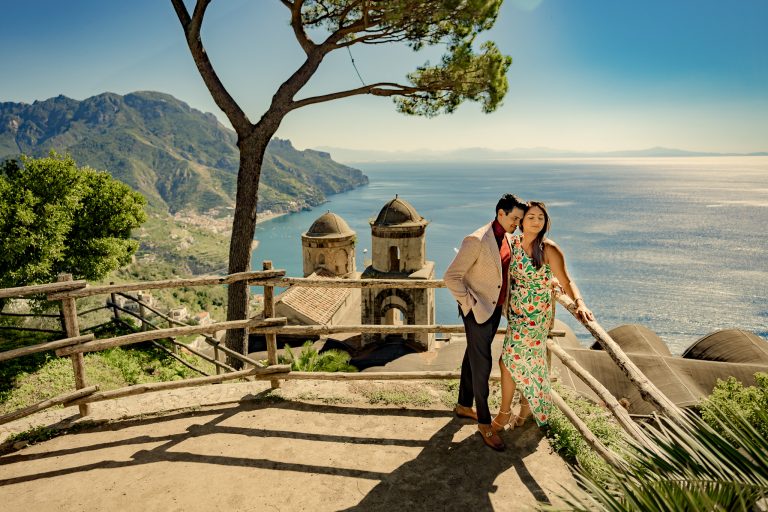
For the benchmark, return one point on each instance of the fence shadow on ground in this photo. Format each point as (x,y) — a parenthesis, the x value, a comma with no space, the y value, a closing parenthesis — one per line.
(444,475)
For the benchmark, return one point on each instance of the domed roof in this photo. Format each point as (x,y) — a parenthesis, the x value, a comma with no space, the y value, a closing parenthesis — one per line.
(637,339)
(729,345)
(399,212)
(329,225)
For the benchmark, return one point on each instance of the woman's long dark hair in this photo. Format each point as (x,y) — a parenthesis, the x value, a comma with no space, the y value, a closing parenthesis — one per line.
(537,252)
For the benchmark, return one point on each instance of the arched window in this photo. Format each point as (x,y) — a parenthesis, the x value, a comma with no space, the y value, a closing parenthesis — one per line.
(394,259)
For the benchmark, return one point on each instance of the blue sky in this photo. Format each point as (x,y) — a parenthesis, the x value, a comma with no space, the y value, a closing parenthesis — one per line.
(586,74)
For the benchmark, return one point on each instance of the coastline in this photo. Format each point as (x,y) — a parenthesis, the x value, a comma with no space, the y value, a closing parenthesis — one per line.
(264,217)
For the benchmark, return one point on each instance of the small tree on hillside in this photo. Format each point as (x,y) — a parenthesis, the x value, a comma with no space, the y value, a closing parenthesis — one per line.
(56,217)
(461,75)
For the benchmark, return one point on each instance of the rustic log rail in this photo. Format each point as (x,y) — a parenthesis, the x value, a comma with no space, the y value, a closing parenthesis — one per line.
(44,347)
(173,341)
(45,404)
(74,345)
(285,282)
(648,391)
(139,389)
(170,354)
(40,289)
(138,337)
(154,285)
(321,330)
(29,329)
(591,439)
(619,412)
(35,315)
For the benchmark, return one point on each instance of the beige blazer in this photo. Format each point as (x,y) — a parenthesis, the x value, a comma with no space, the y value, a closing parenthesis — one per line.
(474,275)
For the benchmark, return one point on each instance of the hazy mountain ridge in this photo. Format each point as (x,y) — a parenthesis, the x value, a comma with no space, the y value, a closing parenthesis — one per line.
(479,154)
(178,157)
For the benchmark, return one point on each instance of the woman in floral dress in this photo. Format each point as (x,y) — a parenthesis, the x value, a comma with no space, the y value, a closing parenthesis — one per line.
(536,269)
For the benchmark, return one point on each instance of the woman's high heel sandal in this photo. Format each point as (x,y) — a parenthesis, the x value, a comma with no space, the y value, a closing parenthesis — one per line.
(497,425)
(520,419)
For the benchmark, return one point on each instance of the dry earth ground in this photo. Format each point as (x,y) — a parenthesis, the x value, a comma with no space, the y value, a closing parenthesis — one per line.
(317,446)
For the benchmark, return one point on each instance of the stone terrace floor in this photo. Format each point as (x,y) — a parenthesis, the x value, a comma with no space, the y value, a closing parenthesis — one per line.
(316,446)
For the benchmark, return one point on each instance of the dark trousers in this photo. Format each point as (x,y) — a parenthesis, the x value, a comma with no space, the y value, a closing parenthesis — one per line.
(477,363)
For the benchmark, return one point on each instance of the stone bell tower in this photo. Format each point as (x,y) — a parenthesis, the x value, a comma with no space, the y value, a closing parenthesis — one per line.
(329,245)
(398,247)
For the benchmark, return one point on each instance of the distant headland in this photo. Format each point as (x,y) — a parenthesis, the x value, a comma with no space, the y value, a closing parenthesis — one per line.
(179,158)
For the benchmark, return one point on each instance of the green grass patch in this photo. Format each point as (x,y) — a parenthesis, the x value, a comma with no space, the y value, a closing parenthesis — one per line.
(309,396)
(394,394)
(448,391)
(110,369)
(568,442)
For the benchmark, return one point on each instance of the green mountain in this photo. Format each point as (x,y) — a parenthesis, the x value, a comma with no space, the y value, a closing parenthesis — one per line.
(178,157)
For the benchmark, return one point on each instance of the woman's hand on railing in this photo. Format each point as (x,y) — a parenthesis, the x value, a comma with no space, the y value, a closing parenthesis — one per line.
(583,312)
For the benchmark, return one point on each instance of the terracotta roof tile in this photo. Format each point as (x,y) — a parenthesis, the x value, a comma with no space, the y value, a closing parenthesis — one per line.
(318,304)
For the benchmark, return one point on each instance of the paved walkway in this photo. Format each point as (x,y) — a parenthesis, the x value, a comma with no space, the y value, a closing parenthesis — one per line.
(323,446)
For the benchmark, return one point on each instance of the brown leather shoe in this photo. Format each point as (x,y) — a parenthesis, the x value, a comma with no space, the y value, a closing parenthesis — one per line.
(465,412)
(490,437)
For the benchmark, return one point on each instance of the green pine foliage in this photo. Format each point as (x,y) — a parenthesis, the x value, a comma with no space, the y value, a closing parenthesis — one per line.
(463,72)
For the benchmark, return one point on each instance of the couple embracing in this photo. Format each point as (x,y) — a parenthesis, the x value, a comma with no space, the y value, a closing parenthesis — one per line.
(496,272)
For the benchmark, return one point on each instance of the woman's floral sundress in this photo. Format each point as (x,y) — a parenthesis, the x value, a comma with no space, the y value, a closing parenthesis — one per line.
(529,315)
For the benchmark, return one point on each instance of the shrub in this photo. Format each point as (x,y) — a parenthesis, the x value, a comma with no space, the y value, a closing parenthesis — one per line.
(733,398)
(310,360)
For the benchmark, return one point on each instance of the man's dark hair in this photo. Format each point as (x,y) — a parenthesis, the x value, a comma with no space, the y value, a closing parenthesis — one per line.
(509,202)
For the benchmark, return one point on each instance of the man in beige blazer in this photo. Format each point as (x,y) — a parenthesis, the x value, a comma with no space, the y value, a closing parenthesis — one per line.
(477,278)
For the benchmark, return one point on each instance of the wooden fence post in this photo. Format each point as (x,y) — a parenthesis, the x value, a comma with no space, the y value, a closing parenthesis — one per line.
(72,329)
(269,312)
(142,310)
(113,299)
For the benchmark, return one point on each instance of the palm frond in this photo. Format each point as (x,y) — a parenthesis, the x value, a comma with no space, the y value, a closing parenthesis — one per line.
(689,466)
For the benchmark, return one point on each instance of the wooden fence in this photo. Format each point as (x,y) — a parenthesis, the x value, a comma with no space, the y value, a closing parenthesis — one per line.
(75,344)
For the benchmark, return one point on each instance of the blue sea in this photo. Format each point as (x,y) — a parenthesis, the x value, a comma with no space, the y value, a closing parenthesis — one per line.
(675,244)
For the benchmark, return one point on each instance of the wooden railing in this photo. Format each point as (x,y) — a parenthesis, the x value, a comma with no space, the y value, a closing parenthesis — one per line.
(74,345)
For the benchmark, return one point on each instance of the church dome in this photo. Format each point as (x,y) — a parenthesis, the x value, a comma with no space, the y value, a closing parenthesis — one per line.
(729,345)
(636,339)
(399,212)
(329,225)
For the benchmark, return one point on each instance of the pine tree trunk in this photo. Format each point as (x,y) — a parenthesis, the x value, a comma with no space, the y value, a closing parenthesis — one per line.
(252,151)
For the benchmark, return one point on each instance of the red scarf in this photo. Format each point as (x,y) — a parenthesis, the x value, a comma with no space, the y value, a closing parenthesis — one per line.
(505,254)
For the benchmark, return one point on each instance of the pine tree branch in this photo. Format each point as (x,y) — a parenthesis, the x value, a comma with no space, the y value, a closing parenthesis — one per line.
(298,25)
(377,89)
(221,96)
